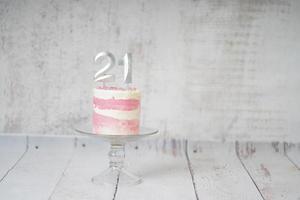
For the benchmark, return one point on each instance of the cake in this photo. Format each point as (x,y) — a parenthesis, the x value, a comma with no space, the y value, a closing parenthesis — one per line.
(116,111)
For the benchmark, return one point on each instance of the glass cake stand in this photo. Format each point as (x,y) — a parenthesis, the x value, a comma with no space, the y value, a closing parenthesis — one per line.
(116,172)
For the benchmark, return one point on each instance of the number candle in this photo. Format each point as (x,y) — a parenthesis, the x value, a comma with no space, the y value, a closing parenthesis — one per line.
(100,76)
(125,62)
(127,68)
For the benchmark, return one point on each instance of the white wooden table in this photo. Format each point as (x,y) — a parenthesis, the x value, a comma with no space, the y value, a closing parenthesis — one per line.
(60,168)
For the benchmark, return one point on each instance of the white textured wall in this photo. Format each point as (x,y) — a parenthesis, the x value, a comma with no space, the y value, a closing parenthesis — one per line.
(208,69)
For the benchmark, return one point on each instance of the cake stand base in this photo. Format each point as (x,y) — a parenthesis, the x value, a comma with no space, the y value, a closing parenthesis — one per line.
(115,176)
(116,173)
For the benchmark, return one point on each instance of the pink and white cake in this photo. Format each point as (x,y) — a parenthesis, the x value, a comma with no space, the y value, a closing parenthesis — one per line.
(116,111)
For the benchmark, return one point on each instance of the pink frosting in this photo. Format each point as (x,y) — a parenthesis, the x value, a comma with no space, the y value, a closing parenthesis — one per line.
(115,126)
(116,104)
(107,124)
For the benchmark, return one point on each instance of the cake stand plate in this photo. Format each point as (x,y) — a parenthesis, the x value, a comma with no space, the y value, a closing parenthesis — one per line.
(116,172)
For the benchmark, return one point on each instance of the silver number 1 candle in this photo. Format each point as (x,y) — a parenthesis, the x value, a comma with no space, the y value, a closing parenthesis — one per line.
(127,68)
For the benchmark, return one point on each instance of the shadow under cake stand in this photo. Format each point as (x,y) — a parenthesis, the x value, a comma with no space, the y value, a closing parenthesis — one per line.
(116,173)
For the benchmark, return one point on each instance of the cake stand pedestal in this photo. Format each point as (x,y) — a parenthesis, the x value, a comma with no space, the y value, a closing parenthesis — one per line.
(116,172)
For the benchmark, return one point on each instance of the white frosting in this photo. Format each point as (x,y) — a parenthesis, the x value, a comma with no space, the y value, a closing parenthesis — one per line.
(119,114)
(117,94)
(113,131)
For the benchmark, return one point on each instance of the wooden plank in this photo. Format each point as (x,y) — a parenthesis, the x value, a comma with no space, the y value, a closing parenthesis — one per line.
(90,158)
(12,149)
(218,173)
(164,169)
(36,175)
(292,151)
(275,176)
